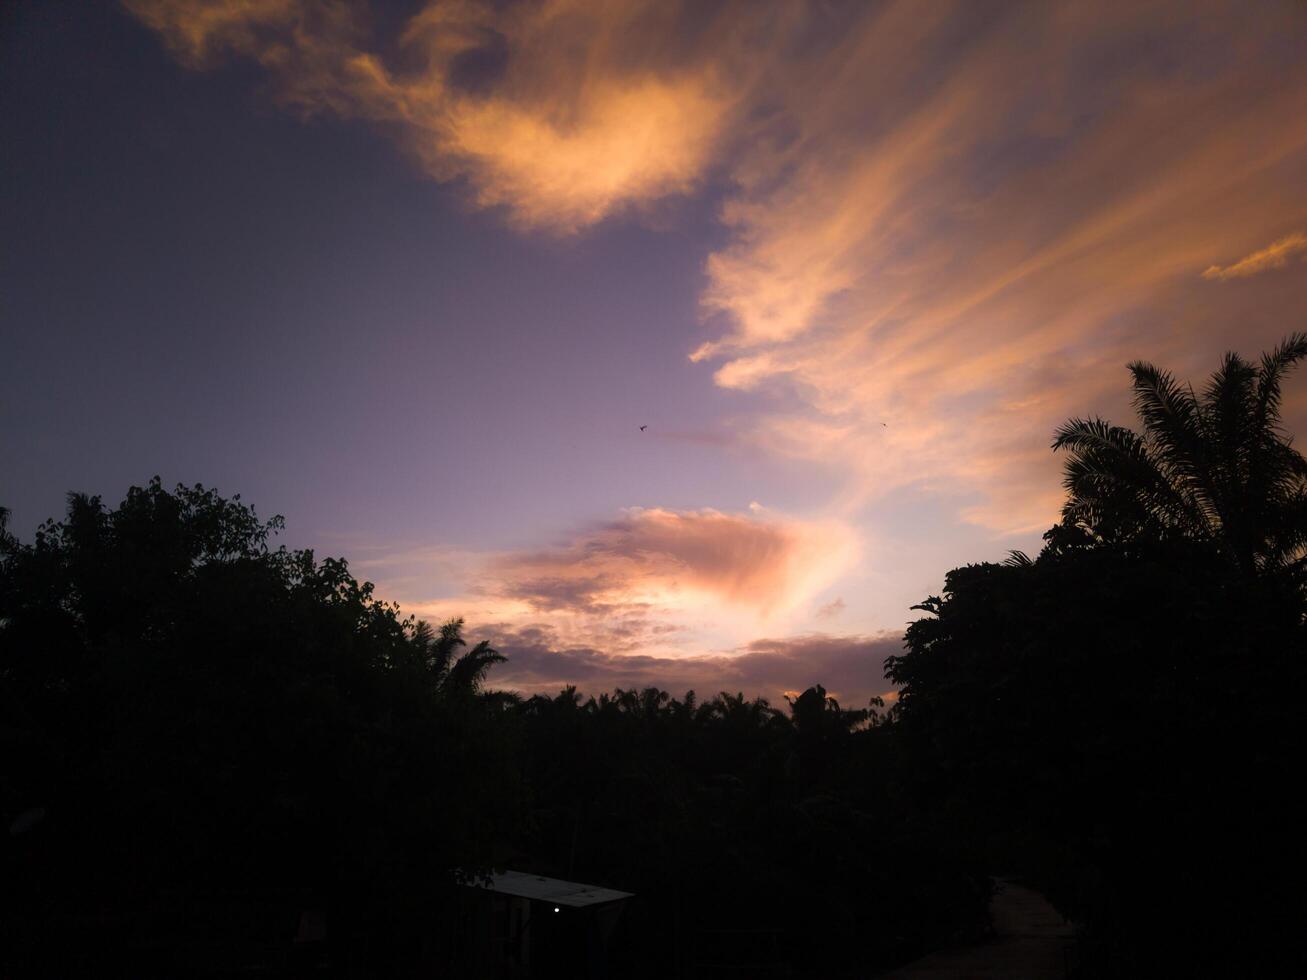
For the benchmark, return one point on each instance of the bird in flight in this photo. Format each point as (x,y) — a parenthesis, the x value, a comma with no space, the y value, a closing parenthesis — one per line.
(643,427)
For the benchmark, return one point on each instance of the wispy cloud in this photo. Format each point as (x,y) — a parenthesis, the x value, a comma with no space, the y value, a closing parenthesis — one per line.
(944,229)
(1274,256)
(969,220)
(958,218)
(831,609)
(561,112)
(199,33)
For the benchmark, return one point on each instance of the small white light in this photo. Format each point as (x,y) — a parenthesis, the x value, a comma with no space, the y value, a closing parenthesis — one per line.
(557,909)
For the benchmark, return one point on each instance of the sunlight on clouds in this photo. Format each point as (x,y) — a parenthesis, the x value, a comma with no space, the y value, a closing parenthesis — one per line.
(946,228)
(759,563)
(551,110)
(977,260)
(1273,256)
(635,143)
(801,245)
(196,32)
(646,579)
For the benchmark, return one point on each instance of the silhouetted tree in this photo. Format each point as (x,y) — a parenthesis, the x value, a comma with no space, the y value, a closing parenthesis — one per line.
(1216,467)
(453,674)
(208,721)
(1114,717)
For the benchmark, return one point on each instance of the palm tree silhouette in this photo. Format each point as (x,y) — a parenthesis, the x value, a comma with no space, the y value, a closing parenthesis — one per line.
(453,676)
(1216,467)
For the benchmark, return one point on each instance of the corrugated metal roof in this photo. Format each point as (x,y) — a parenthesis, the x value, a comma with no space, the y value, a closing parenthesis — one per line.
(572,894)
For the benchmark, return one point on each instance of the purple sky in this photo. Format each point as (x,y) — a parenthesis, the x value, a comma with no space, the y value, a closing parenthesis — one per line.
(414,275)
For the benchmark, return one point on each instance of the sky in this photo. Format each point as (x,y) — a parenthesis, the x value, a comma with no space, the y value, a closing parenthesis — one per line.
(415,274)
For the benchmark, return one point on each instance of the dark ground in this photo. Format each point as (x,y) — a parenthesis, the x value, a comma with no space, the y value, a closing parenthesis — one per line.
(1031,942)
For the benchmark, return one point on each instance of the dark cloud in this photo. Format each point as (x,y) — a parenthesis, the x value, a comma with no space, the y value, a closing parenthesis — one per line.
(831,609)
(850,667)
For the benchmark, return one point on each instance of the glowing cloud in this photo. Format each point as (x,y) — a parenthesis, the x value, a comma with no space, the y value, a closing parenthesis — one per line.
(965,224)
(945,216)
(1274,256)
(763,564)
(946,228)
(487,92)
(633,581)
(654,579)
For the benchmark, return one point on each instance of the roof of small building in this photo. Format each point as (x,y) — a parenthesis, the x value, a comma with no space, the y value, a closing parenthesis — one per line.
(573,894)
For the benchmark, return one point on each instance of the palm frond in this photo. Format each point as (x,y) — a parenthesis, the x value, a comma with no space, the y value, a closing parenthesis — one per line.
(1274,366)
(1174,432)
(423,635)
(1217,469)
(469,671)
(1112,475)
(444,648)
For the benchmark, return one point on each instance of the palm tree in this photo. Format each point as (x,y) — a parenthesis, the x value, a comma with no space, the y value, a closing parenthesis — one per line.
(646,704)
(453,676)
(1216,467)
(739,714)
(816,714)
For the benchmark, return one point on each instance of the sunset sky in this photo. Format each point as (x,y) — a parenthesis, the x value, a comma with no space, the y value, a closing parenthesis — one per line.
(414,275)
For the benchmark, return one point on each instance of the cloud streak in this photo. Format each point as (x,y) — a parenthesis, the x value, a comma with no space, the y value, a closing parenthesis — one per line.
(933,212)
(1274,256)
(975,232)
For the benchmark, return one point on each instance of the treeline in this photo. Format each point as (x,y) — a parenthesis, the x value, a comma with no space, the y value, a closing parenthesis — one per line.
(208,735)
(773,842)
(205,737)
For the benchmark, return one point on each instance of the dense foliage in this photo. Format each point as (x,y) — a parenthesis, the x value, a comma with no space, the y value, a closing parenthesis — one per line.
(205,736)
(768,842)
(1119,718)
(198,726)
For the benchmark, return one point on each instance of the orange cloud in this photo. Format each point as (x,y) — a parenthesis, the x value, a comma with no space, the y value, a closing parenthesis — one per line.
(654,579)
(761,564)
(982,218)
(632,582)
(949,226)
(554,111)
(1274,256)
